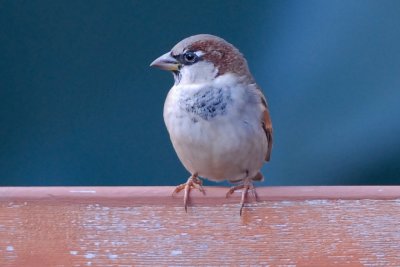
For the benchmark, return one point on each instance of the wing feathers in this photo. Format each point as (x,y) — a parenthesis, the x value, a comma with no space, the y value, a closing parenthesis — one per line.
(267,127)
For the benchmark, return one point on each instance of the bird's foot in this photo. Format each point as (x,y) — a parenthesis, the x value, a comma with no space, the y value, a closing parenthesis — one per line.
(193,182)
(246,186)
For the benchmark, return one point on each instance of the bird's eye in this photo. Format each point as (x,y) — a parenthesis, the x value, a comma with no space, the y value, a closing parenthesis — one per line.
(190,57)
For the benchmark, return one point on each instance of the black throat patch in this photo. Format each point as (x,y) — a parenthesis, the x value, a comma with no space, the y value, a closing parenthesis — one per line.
(207,103)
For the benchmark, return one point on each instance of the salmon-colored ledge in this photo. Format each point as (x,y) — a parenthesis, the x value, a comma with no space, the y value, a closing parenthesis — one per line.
(214,195)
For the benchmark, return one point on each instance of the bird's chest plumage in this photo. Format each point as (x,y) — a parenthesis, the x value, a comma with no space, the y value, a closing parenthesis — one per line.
(213,129)
(207,103)
(194,115)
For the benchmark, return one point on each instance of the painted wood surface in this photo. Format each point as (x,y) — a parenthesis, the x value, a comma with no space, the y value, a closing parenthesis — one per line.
(136,226)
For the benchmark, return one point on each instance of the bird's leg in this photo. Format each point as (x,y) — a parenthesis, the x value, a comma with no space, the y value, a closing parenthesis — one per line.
(246,186)
(193,182)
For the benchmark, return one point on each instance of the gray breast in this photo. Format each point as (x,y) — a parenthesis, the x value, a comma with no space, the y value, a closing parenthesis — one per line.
(206,103)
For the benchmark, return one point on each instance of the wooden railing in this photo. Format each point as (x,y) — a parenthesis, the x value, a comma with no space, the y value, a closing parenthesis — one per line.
(135,226)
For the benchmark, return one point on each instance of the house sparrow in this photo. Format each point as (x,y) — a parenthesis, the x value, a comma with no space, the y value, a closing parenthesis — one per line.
(216,115)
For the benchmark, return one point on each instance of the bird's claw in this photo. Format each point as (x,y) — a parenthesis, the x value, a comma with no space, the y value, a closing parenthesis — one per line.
(193,182)
(246,186)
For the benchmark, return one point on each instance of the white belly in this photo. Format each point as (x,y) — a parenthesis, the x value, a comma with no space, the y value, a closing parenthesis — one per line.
(228,146)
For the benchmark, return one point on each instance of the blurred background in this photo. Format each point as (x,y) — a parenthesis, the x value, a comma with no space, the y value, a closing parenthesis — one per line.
(79,104)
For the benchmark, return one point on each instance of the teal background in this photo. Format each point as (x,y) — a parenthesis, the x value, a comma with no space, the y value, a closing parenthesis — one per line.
(79,104)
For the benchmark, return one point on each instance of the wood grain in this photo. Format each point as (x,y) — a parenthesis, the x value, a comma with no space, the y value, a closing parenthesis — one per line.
(137,226)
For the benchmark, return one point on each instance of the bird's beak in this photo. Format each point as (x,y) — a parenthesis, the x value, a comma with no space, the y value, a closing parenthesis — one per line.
(166,62)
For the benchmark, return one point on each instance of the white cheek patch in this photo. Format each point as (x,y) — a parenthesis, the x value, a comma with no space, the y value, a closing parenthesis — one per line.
(200,72)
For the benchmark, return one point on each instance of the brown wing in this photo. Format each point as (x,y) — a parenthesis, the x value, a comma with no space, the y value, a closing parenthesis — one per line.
(267,126)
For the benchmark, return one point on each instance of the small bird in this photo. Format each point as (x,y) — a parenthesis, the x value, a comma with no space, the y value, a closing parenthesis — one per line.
(216,115)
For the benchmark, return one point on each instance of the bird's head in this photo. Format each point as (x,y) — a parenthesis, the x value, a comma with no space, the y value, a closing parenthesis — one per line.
(202,58)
